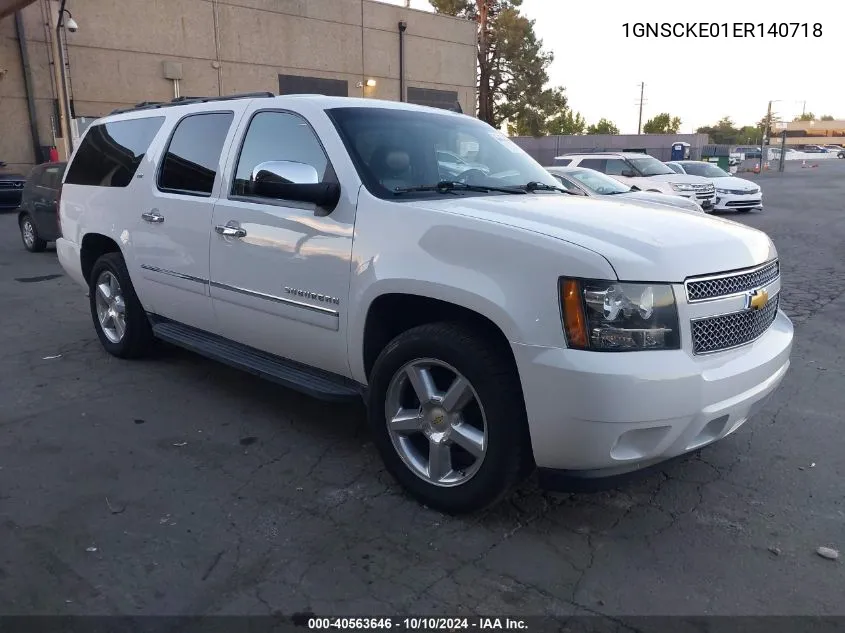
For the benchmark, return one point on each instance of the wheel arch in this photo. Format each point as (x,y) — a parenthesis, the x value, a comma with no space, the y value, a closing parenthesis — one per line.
(395,311)
(94,246)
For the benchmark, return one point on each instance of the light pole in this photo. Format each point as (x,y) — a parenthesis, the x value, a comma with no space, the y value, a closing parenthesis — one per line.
(64,99)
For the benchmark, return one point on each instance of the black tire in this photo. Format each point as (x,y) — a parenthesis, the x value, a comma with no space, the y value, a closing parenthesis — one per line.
(37,245)
(138,337)
(494,378)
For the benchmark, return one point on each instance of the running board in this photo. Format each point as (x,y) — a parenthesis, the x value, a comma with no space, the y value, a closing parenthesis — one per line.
(308,380)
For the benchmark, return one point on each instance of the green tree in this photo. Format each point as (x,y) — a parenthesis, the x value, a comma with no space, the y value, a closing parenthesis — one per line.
(549,113)
(726,133)
(748,134)
(512,64)
(827,117)
(603,127)
(568,122)
(768,122)
(807,116)
(723,133)
(663,123)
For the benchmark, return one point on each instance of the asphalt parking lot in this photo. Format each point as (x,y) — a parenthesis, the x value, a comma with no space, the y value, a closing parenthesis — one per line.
(174,485)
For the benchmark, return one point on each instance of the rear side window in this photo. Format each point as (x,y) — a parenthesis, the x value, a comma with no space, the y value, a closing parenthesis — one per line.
(111,152)
(615,166)
(563,162)
(599,164)
(52,177)
(190,163)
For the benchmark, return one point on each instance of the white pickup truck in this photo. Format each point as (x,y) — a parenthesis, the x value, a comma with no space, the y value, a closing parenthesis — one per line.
(492,322)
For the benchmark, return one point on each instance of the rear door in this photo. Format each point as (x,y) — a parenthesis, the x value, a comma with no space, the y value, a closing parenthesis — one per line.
(45,201)
(174,220)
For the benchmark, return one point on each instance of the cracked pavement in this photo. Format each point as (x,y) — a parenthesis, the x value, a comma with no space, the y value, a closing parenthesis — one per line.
(175,485)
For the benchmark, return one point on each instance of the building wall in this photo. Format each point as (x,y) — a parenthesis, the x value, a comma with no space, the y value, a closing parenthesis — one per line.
(224,47)
(810,132)
(545,148)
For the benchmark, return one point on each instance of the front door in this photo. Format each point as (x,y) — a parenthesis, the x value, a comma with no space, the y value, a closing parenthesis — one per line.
(280,269)
(172,235)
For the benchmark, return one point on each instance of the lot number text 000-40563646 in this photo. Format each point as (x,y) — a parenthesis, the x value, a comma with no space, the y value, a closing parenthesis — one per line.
(722,29)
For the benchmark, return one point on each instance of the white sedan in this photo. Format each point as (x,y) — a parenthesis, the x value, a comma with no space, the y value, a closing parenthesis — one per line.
(588,182)
(732,193)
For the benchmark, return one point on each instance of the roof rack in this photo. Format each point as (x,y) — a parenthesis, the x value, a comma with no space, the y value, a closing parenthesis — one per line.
(152,105)
(604,153)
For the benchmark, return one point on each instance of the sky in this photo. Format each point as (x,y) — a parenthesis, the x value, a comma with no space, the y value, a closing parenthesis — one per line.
(699,80)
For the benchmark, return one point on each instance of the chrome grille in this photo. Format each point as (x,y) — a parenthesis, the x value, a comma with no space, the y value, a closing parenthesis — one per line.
(11,184)
(731,283)
(743,192)
(717,333)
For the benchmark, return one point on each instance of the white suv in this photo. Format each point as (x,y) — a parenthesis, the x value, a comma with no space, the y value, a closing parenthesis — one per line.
(646,173)
(492,322)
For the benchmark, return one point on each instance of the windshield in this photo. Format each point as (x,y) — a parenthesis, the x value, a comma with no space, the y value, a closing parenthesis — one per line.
(706,170)
(650,166)
(403,149)
(597,182)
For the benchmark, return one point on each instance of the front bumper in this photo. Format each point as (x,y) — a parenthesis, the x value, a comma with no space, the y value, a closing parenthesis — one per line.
(706,200)
(594,414)
(731,201)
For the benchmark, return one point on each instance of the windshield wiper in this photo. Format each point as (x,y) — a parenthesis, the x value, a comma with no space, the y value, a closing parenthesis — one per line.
(446,186)
(533,186)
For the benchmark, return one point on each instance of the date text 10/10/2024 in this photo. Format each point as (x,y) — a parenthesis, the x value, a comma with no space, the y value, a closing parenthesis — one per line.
(723,29)
(418,624)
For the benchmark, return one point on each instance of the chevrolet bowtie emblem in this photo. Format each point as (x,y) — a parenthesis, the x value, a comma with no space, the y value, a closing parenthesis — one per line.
(757,300)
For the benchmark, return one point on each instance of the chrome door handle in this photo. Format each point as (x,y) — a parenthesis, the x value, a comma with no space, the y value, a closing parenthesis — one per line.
(230,231)
(153,216)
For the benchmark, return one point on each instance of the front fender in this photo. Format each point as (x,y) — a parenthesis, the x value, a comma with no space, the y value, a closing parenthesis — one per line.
(503,273)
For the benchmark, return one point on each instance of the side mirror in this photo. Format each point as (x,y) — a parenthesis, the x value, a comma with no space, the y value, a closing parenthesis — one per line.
(289,180)
(628,173)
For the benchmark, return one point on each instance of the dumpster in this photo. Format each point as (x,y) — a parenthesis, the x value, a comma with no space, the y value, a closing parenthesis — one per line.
(680,151)
(723,162)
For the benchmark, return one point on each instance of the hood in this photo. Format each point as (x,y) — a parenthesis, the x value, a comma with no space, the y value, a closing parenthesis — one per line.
(680,178)
(653,243)
(735,184)
(645,198)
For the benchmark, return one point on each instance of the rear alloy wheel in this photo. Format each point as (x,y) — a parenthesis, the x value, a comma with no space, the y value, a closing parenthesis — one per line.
(446,410)
(119,318)
(29,235)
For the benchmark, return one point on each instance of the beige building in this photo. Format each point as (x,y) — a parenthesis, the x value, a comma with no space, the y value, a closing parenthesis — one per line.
(129,51)
(810,133)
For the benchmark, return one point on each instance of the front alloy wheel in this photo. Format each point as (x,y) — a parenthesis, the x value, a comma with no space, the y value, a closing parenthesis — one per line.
(436,422)
(447,414)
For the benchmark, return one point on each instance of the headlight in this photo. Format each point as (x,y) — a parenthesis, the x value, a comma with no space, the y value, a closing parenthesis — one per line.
(613,316)
(679,186)
(723,191)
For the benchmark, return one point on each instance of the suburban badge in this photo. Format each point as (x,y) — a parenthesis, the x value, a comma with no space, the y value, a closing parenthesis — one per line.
(312,295)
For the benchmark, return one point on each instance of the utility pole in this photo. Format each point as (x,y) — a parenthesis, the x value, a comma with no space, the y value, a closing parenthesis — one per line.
(764,154)
(803,109)
(640,120)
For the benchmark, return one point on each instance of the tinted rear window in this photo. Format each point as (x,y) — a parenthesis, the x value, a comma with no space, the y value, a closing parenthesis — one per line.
(111,152)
